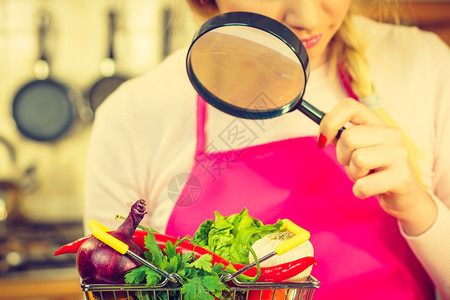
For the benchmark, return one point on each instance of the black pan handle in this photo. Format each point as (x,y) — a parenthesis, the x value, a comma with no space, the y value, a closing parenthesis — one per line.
(43,28)
(42,64)
(112,27)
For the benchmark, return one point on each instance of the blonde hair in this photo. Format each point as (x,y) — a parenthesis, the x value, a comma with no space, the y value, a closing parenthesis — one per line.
(349,51)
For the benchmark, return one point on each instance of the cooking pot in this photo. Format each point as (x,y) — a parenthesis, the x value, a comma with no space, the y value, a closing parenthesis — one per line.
(14,184)
(10,195)
(10,192)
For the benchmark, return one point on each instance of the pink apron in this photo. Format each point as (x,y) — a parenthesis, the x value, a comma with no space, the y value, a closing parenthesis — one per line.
(360,252)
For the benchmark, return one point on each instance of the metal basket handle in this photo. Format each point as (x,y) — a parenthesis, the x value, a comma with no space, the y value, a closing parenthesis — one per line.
(300,236)
(100,232)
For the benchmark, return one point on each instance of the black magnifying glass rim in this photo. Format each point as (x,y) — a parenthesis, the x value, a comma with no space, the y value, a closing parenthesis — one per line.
(269,25)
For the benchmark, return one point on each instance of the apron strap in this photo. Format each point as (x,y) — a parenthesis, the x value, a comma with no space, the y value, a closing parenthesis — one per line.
(346,80)
(201,119)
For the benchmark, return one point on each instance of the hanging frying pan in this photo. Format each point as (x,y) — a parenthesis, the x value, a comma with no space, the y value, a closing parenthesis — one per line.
(43,109)
(110,81)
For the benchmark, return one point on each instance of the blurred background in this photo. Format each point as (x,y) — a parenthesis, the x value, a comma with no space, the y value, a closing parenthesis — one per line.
(84,49)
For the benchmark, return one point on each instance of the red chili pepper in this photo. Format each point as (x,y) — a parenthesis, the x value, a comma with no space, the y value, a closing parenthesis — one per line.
(275,273)
(138,237)
(72,247)
(282,271)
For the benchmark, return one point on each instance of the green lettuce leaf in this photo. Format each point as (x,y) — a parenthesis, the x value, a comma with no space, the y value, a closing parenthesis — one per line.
(230,236)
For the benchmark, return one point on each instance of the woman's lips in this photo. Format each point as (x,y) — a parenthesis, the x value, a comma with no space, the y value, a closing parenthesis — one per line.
(312,41)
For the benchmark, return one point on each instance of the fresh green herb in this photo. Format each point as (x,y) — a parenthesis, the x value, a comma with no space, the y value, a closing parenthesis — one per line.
(199,277)
(230,236)
(230,269)
(202,288)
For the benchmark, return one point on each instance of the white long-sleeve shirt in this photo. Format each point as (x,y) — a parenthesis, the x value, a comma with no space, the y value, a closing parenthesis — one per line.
(145,133)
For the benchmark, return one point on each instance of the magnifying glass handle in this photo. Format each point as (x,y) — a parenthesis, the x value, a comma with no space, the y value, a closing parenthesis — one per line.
(314,114)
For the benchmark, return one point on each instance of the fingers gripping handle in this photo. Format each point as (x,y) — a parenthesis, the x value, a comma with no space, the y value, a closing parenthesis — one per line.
(100,232)
(301,236)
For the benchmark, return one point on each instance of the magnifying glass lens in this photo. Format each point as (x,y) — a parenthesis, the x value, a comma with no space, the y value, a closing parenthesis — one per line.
(238,64)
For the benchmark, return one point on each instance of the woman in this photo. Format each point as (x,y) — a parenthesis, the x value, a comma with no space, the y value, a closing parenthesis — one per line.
(376,201)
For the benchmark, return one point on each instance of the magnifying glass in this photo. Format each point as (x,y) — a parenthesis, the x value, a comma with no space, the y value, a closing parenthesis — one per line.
(250,66)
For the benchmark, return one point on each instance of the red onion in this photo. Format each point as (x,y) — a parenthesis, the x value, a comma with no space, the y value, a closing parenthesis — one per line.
(99,263)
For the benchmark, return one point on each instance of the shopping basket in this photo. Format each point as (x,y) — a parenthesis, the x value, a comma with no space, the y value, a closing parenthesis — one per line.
(237,291)
(170,288)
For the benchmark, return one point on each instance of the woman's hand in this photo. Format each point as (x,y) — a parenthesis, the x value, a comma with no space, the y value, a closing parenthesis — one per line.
(376,159)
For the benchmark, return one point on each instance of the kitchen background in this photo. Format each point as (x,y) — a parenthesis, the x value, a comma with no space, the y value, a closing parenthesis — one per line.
(76,43)
(41,182)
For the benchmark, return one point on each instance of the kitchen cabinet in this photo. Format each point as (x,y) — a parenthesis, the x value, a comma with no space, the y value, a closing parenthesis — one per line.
(432,15)
(58,284)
